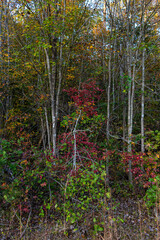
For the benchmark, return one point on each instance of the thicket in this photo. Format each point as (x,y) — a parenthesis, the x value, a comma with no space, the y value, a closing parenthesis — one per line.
(79,104)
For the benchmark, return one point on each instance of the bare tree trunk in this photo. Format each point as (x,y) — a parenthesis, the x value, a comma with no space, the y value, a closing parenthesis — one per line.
(60,64)
(51,62)
(129,111)
(43,134)
(104,14)
(132,93)
(142,101)
(53,110)
(109,11)
(47,126)
(129,97)
(103,60)
(75,143)
(8,56)
(143,82)
(123,97)
(51,77)
(113,74)
(108,97)
(129,148)
(133,62)
(1,104)
(59,86)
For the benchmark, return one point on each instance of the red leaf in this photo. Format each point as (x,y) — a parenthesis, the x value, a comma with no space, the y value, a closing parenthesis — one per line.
(43,184)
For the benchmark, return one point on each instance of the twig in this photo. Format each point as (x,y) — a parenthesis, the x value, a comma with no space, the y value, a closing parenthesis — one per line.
(26,225)
(17,216)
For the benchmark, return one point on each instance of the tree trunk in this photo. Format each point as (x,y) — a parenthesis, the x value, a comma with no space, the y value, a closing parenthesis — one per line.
(47,126)
(108,97)
(129,79)
(1,104)
(143,82)
(51,77)
(75,143)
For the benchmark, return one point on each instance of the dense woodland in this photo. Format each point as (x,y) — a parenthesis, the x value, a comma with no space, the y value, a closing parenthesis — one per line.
(79,119)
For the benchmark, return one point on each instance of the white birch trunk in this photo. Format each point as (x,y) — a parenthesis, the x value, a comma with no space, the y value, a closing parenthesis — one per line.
(51,77)
(108,98)
(75,143)
(1,108)
(143,82)
(53,112)
(142,101)
(47,126)
(129,148)
(113,74)
(43,134)
(123,97)
(60,63)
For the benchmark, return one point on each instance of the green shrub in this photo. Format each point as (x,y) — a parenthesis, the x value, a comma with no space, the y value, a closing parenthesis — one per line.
(86,192)
(153,193)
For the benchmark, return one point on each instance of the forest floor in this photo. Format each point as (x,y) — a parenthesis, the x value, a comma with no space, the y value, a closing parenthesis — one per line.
(129,220)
